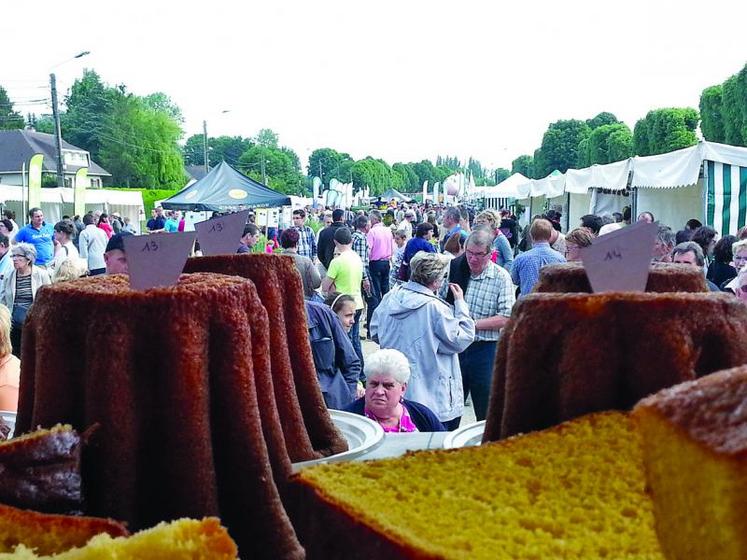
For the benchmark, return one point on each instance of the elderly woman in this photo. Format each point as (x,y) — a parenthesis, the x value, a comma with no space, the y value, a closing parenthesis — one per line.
(414,320)
(20,289)
(503,253)
(739,252)
(309,273)
(576,240)
(387,374)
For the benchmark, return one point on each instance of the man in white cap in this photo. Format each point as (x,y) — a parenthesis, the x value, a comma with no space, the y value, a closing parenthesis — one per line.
(406,224)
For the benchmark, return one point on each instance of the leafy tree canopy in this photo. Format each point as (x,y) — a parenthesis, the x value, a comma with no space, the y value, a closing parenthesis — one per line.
(9,119)
(664,130)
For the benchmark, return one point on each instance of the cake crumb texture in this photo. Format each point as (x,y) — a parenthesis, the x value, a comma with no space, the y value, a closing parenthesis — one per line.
(696,465)
(572,492)
(185,539)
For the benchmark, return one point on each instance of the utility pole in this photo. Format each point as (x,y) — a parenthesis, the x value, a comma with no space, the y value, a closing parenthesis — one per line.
(57,130)
(320,173)
(264,174)
(205,146)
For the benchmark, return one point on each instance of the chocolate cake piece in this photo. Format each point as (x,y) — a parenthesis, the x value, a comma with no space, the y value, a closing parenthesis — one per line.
(662,277)
(41,471)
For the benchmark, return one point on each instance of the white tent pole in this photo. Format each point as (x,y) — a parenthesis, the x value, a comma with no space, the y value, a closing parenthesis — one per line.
(567,212)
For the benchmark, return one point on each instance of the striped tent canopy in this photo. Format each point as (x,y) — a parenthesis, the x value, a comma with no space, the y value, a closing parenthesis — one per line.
(726,197)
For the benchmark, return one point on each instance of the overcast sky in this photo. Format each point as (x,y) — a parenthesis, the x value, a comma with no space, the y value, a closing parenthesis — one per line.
(401,80)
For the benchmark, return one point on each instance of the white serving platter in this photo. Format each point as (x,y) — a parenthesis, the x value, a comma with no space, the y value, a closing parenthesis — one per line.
(466,436)
(10,419)
(362,434)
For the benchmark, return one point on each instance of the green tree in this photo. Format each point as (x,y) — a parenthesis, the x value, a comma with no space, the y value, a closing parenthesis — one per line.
(559,148)
(711,114)
(500,175)
(410,180)
(734,109)
(194,150)
(331,164)
(281,168)
(602,119)
(267,138)
(44,123)
(9,119)
(664,130)
(608,143)
(524,165)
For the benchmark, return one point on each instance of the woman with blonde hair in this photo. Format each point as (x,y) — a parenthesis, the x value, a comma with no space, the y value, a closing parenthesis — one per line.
(503,253)
(10,366)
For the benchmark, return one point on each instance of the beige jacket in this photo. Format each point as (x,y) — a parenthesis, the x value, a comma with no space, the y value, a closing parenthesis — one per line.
(39,278)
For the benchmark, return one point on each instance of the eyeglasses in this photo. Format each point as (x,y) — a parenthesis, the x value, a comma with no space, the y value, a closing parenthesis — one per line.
(476,255)
(738,258)
(744,289)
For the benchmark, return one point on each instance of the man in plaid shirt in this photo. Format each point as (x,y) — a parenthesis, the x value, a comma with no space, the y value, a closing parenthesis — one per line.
(306,235)
(489,294)
(360,246)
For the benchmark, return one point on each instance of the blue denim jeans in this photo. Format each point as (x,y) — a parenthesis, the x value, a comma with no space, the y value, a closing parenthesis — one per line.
(476,363)
(355,336)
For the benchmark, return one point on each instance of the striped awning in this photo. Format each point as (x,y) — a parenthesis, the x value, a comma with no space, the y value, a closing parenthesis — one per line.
(726,197)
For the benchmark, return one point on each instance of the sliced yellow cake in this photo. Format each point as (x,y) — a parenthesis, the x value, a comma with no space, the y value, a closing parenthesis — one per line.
(695,453)
(572,492)
(185,539)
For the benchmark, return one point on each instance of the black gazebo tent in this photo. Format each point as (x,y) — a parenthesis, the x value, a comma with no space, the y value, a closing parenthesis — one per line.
(223,188)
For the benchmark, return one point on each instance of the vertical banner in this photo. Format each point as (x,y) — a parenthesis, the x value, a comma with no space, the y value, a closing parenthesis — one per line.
(435,193)
(425,191)
(35,180)
(79,193)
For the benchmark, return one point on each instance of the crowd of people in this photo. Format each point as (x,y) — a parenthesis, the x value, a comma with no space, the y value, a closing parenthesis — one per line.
(434,286)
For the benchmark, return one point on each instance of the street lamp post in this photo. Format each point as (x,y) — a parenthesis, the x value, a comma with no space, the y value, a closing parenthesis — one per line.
(56,116)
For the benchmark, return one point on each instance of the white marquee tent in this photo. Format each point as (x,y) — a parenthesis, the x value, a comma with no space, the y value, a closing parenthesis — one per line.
(707,181)
(57,202)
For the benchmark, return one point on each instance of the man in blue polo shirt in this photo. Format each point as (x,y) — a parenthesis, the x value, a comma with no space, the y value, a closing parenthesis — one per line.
(40,235)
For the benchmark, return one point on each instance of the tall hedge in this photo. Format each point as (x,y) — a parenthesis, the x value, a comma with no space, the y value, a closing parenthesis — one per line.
(724,110)
(664,130)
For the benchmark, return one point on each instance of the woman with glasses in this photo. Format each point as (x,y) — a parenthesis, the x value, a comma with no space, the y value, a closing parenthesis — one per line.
(576,240)
(20,289)
(739,252)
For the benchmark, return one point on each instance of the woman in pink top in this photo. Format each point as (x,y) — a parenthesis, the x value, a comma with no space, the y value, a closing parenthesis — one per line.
(10,366)
(104,224)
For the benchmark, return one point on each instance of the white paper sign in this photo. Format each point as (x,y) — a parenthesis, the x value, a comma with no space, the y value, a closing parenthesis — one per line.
(221,235)
(620,261)
(157,259)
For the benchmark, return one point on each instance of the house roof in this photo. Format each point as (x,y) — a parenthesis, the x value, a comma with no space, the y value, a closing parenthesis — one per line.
(17,146)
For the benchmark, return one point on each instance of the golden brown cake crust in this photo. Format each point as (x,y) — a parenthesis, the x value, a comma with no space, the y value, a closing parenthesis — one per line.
(662,277)
(712,410)
(564,355)
(168,376)
(51,533)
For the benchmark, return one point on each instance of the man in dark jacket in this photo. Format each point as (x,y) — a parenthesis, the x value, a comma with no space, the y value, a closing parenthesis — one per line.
(325,248)
(338,367)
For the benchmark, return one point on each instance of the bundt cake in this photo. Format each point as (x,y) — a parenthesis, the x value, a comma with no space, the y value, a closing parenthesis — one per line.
(185,539)
(564,355)
(297,390)
(695,455)
(573,492)
(662,277)
(48,533)
(177,380)
(41,471)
